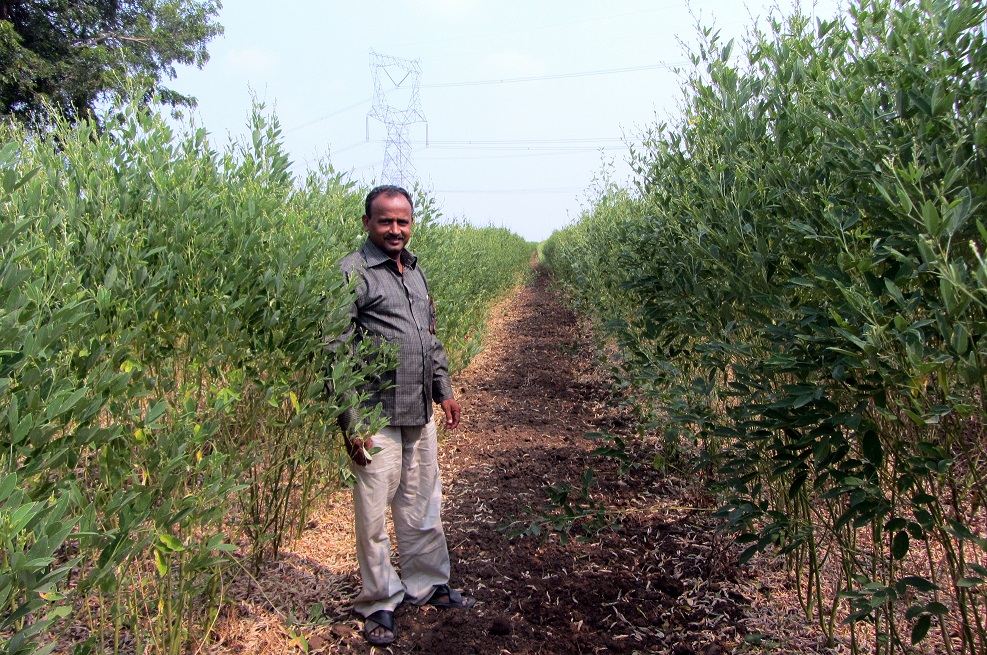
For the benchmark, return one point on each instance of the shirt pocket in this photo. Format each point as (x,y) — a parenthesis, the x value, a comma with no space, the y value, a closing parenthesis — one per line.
(423,310)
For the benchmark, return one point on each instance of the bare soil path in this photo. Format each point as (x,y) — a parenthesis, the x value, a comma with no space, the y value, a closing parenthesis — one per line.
(659,580)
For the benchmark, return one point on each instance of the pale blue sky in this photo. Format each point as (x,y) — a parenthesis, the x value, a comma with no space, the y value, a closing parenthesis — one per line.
(518,154)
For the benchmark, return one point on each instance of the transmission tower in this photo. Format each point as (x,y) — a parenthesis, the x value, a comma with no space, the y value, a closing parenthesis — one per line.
(398,106)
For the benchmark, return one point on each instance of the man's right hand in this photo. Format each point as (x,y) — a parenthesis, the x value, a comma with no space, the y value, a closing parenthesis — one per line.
(359,449)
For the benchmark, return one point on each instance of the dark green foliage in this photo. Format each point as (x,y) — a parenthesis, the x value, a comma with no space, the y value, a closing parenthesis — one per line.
(798,280)
(72,54)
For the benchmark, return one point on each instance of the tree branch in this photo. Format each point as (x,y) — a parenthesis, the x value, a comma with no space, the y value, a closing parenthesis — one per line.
(108,35)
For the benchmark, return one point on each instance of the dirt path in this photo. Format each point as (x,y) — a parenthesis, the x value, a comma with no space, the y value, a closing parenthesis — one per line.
(662,581)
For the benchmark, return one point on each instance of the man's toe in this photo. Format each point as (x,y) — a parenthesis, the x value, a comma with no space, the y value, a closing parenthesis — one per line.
(378,628)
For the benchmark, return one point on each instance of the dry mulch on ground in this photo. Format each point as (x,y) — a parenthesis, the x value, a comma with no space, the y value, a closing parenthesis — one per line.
(655,577)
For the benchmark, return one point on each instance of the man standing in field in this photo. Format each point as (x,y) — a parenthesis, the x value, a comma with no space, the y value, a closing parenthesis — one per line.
(398,466)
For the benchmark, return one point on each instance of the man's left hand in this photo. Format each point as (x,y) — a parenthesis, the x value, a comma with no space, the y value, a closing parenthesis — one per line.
(452,411)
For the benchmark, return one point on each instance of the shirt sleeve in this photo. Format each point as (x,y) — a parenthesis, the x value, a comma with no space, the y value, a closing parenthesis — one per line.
(441,386)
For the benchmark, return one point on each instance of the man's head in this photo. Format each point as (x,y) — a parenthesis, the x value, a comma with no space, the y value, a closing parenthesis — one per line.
(388,217)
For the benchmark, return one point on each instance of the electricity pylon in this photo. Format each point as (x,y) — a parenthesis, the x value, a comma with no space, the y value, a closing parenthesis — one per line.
(398,106)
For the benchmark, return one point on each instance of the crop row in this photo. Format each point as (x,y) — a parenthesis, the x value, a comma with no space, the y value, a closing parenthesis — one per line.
(797,284)
(163,414)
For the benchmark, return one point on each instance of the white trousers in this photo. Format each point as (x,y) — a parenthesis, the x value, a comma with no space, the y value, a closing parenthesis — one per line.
(404,476)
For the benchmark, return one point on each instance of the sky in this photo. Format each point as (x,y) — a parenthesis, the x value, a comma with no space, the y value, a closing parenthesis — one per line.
(524,102)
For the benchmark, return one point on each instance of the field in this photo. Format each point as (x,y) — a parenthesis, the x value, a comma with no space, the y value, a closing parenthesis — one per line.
(757,425)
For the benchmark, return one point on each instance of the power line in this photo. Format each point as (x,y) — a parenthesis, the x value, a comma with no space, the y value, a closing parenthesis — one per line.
(559,76)
(527,155)
(424,155)
(480,144)
(330,115)
(513,191)
(351,147)
(576,148)
(484,142)
(531,147)
(520,142)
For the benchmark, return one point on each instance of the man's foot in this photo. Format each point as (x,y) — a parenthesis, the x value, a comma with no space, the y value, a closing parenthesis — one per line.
(446,598)
(378,628)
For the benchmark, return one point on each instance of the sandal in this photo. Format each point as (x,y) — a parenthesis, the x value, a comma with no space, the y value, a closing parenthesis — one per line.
(453,598)
(373,623)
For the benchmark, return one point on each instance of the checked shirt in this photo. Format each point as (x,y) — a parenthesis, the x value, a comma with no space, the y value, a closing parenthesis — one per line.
(396,308)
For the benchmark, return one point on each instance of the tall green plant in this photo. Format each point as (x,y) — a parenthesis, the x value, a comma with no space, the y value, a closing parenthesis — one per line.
(803,292)
(164,309)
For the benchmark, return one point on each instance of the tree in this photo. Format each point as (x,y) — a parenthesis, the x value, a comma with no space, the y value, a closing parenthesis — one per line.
(71,54)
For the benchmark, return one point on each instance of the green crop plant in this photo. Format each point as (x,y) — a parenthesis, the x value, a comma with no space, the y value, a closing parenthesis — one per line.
(164,310)
(797,281)
(497,261)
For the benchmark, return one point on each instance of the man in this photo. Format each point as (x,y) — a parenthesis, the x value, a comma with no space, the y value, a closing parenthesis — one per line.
(398,466)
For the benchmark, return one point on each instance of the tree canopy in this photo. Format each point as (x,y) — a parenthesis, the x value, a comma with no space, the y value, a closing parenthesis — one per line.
(72,53)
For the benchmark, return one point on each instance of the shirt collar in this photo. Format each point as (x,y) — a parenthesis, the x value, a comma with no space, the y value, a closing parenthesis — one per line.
(375,256)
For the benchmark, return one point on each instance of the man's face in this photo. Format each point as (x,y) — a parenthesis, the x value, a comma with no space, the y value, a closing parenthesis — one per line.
(389,225)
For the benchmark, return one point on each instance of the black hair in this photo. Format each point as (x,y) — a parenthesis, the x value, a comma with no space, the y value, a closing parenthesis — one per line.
(386,190)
